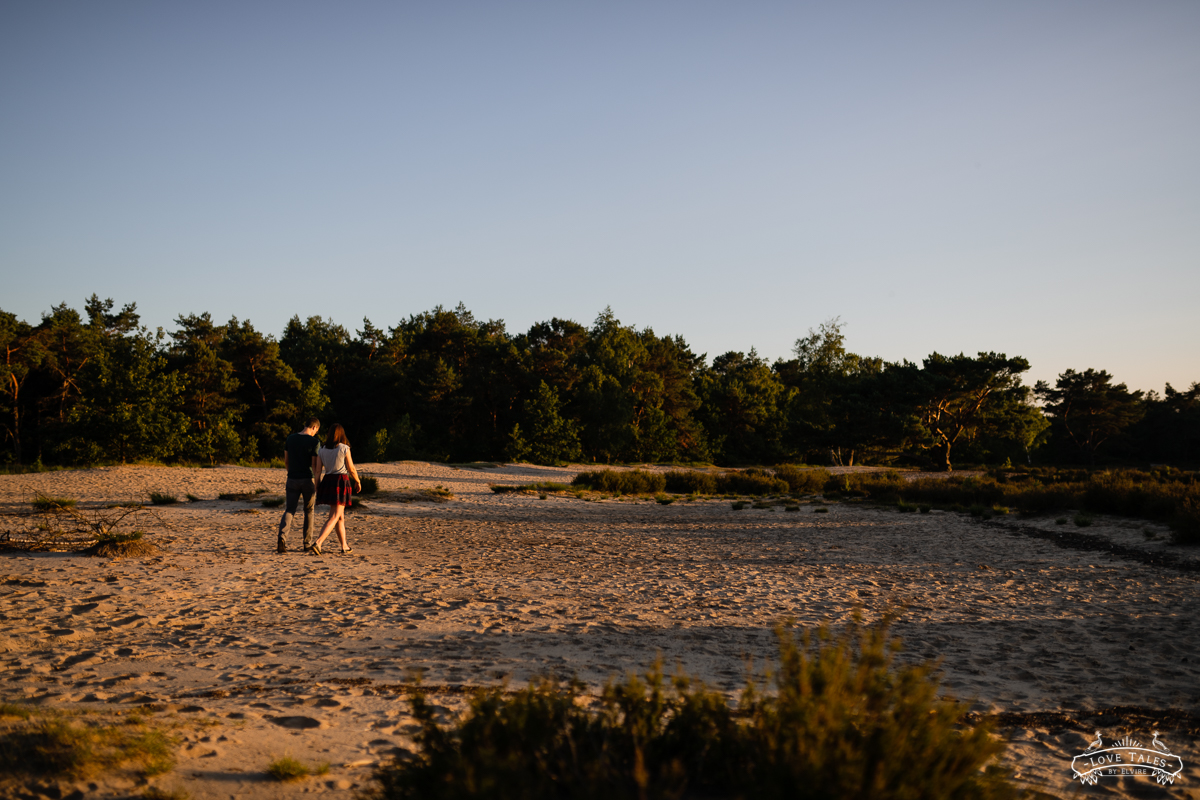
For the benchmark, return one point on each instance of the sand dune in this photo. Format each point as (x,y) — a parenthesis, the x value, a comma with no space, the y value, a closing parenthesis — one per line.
(248,655)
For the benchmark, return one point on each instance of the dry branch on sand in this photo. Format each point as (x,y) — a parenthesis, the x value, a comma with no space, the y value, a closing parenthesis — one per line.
(57,525)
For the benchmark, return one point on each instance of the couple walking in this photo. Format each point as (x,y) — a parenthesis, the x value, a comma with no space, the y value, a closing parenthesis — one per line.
(321,475)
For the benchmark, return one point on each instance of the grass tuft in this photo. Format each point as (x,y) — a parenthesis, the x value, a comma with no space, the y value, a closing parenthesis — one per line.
(52,746)
(48,504)
(15,710)
(289,769)
(162,499)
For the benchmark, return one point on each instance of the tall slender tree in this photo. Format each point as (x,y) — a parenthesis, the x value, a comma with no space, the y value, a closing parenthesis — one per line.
(22,350)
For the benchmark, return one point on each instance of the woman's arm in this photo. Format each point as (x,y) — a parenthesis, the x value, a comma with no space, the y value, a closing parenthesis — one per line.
(353,472)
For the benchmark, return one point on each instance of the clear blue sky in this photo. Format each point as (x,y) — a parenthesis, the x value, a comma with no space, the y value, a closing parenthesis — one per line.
(1021,177)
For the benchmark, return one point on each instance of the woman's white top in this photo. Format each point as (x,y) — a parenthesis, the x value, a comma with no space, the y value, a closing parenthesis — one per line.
(334,460)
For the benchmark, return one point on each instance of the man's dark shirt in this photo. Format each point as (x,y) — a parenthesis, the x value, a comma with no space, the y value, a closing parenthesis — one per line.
(300,449)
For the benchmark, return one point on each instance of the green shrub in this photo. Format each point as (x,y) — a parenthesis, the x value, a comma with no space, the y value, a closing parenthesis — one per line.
(751,483)
(691,482)
(802,481)
(369,486)
(273,502)
(737,505)
(821,510)
(905,508)
(1082,520)
(842,720)
(192,498)
(624,481)
(162,499)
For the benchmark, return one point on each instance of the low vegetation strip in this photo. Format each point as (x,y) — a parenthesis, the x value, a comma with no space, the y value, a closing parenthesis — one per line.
(843,720)
(633,481)
(532,488)
(748,482)
(1160,495)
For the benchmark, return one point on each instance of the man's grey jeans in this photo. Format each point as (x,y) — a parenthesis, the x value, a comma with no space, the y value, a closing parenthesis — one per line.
(295,488)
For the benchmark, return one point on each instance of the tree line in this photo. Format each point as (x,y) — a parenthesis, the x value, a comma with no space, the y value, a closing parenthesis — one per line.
(442,385)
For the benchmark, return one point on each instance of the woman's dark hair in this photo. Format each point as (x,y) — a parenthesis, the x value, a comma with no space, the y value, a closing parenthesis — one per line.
(336,436)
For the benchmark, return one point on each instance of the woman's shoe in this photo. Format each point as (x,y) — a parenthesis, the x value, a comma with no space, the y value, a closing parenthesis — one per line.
(316,550)
(348,551)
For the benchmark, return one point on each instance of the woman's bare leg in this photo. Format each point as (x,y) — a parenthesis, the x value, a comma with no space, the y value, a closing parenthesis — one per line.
(334,513)
(341,529)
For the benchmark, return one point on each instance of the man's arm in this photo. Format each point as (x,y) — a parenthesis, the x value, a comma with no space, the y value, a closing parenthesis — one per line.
(317,468)
(286,465)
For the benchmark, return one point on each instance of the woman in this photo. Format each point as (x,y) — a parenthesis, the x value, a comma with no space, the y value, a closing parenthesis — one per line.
(334,489)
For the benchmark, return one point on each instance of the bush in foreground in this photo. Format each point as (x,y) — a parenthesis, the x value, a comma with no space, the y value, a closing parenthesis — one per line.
(844,721)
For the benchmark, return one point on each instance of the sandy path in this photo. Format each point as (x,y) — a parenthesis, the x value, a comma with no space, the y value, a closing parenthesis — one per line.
(254,655)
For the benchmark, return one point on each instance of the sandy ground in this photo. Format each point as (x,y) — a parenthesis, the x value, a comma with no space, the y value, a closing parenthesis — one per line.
(246,656)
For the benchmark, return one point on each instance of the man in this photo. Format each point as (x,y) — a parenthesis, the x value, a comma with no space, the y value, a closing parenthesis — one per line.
(300,458)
